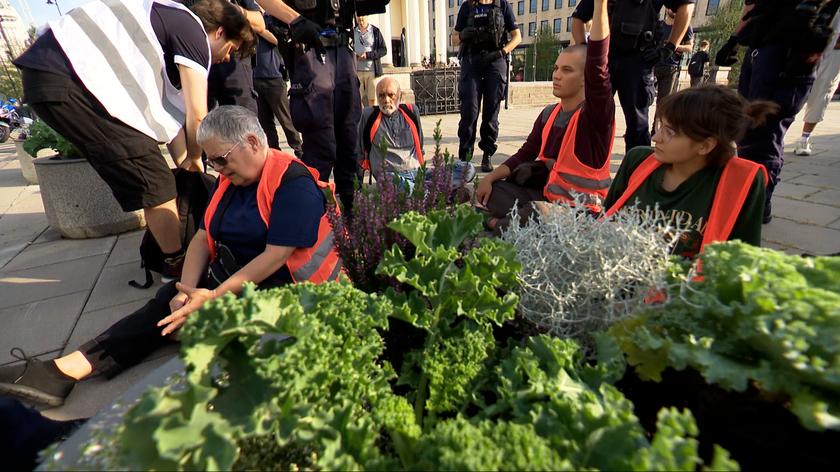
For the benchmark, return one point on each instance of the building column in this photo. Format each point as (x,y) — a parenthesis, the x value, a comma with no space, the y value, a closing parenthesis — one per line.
(441,31)
(383,22)
(411,13)
(425,42)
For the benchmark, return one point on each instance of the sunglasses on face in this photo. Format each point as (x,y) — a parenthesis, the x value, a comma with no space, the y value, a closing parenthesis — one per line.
(219,162)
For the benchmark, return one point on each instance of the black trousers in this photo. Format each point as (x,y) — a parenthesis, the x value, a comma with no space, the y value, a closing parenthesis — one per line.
(326,108)
(480,82)
(273,102)
(762,78)
(231,83)
(130,340)
(632,79)
(505,195)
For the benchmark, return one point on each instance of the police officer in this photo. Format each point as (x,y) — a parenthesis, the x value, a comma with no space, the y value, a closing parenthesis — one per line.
(231,82)
(634,52)
(324,96)
(482,26)
(784,40)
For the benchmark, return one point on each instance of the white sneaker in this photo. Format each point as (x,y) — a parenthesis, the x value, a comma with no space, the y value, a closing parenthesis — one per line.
(803,147)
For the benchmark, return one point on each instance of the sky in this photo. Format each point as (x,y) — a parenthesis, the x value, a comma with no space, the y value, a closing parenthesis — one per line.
(41,12)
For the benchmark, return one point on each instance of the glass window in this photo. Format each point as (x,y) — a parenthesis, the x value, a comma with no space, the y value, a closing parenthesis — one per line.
(544,25)
(451,21)
(521,27)
(569,24)
(532,28)
(572,3)
(545,5)
(451,3)
(558,25)
(520,8)
(533,6)
(558,4)
(712,6)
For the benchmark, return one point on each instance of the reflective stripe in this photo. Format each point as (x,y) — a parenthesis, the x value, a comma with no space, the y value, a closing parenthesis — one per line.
(148,51)
(588,198)
(337,270)
(583,182)
(314,263)
(121,71)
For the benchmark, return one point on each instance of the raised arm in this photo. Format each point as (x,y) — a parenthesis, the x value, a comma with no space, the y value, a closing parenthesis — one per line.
(600,23)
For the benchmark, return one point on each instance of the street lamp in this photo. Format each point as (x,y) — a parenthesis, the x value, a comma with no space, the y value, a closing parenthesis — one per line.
(54,2)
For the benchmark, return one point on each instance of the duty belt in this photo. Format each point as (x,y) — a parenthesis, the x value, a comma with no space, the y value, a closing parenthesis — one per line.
(334,41)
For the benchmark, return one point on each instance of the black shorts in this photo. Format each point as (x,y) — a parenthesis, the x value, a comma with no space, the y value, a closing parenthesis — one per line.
(129,161)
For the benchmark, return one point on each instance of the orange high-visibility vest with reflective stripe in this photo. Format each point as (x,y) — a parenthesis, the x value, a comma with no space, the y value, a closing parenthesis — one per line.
(569,176)
(319,263)
(731,193)
(418,146)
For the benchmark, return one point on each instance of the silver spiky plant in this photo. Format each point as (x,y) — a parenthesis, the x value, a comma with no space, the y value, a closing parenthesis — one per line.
(581,273)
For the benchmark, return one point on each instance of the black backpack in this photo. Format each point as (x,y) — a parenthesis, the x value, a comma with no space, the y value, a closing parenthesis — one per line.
(194,190)
(632,24)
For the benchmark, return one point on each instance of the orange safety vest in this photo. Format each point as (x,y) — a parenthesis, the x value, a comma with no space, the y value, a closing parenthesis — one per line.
(418,146)
(569,176)
(730,195)
(319,263)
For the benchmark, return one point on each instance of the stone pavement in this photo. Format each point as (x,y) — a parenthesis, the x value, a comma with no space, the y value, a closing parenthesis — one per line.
(56,294)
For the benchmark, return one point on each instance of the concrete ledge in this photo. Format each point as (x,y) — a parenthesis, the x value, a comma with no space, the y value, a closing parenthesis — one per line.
(77,201)
(27,168)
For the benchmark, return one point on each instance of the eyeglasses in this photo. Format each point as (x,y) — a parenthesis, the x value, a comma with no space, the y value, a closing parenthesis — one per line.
(221,161)
(663,133)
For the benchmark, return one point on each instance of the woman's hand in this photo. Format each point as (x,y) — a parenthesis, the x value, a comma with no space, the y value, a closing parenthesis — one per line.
(195,300)
(178,301)
(482,193)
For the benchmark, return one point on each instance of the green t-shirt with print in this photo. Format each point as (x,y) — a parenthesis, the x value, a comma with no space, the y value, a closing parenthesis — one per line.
(690,202)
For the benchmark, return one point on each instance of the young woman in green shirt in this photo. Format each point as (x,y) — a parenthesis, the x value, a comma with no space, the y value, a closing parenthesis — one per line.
(694,143)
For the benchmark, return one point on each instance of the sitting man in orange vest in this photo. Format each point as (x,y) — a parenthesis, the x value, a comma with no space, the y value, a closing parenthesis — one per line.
(391,139)
(568,150)
(266,223)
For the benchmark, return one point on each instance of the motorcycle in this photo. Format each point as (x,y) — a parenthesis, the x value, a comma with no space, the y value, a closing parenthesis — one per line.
(10,119)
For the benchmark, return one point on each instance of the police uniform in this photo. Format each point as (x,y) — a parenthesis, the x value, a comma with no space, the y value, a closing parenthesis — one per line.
(324,95)
(631,73)
(482,79)
(777,69)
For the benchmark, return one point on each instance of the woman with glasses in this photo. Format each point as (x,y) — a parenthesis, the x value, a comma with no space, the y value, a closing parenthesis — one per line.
(692,173)
(266,223)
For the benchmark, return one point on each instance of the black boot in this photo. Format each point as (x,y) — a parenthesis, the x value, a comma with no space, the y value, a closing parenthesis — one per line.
(486,166)
(35,381)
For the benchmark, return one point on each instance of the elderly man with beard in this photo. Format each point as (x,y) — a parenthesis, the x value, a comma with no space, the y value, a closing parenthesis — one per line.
(391,138)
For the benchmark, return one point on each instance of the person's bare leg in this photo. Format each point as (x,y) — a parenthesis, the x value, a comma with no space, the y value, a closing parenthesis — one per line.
(165,226)
(808,127)
(74,365)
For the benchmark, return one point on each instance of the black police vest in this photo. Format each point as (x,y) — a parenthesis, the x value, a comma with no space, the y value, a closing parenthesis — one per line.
(337,13)
(632,24)
(491,29)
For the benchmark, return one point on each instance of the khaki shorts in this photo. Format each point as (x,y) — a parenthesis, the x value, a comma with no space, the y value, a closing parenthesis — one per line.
(367,87)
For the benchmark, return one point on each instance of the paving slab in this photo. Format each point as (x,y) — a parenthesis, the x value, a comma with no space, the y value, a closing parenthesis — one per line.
(807,238)
(829,179)
(40,326)
(36,255)
(127,249)
(804,211)
(826,197)
(795,191)
(90,396)
(112,287)
(10,250)
(92,322)
(25,286)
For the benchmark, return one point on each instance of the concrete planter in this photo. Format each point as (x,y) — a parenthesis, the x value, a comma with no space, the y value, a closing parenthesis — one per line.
(77,201)
(27,168)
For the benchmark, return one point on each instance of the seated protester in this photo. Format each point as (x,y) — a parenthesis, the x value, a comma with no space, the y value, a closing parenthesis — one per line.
(692,173)
(266,223)
(396,126)
(569,146)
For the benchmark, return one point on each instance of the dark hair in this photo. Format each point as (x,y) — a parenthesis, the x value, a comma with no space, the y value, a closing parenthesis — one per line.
(713,111)
(224,14)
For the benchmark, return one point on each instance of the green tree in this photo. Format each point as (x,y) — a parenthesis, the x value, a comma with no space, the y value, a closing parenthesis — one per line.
(541,55)
(718,29)
(10,84)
